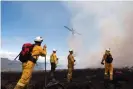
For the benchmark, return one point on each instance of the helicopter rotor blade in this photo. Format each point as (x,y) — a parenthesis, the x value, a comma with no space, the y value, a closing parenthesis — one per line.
(68,28)
(76,32)
(72,30)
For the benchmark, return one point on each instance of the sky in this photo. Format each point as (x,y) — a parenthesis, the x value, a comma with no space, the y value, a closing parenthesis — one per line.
(23,21)
(102,25)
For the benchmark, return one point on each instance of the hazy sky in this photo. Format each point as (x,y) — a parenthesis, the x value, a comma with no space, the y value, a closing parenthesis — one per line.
(102,25)
(23,21)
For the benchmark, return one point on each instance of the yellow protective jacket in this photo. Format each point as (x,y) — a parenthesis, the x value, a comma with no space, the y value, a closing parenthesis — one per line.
(105,56)
(70,61)
(38,51)
(53,58)
(28,67)
(108,66)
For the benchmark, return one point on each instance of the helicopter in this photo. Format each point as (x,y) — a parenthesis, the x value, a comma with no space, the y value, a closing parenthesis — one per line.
(73,31)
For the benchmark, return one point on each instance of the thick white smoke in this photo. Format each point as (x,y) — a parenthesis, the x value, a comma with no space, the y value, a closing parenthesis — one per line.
(102,25)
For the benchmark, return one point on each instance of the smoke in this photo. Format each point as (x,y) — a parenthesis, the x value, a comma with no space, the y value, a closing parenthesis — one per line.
(102,25)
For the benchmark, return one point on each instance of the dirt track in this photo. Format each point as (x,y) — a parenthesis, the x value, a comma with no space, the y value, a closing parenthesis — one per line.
(9,79)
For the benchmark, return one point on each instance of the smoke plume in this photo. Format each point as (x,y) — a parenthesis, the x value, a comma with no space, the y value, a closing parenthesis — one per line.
(102,25)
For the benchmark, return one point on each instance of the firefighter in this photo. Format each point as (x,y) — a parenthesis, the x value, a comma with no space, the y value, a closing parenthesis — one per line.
(53,61)
(107,59)
(71,61)
(27,67)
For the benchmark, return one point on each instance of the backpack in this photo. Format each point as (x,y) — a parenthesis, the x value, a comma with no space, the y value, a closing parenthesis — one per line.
(25,53)
(109,59)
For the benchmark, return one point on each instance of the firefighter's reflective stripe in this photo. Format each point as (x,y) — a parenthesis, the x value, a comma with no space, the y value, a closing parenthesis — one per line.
(20,84)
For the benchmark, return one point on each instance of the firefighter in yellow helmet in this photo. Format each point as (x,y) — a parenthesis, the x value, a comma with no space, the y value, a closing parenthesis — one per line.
(53,61)
(107,59)
(27,67)
(71,61)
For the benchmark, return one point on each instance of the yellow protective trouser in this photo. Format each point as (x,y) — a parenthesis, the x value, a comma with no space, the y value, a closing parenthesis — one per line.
(109,68)
(69,75)
(27,69)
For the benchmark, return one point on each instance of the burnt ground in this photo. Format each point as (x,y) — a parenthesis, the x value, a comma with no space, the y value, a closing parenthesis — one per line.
(80,81)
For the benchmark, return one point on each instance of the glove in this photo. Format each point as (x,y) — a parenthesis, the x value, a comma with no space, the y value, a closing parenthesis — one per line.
(45,46)
(102,63)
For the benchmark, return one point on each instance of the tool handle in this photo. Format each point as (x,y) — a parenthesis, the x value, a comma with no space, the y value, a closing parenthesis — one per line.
(45,72)
(16,56)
